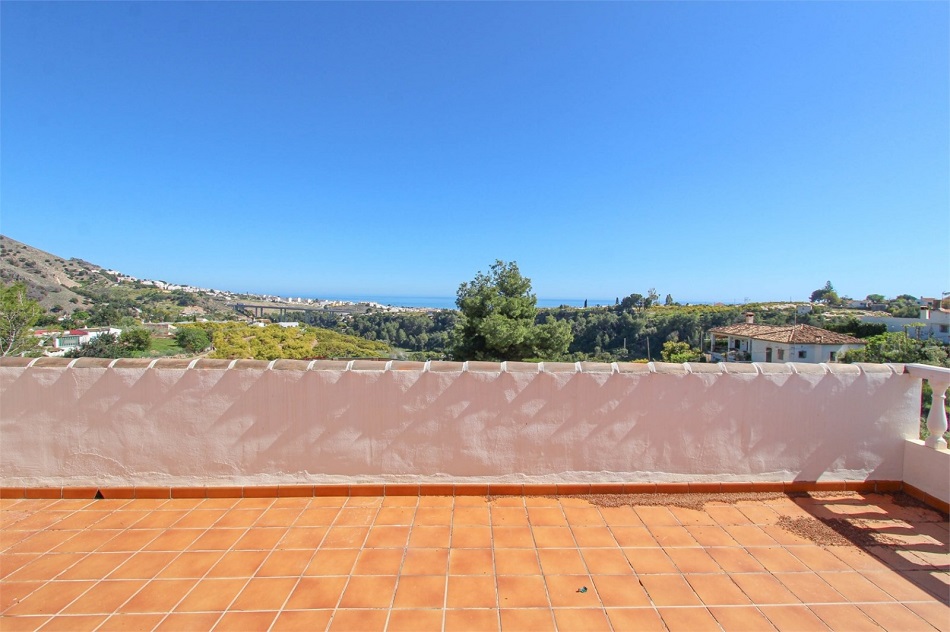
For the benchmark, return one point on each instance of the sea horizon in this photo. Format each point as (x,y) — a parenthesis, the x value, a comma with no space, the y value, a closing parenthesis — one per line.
(448,302)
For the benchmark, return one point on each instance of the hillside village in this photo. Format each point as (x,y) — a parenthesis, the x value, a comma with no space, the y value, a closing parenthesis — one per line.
(83,301)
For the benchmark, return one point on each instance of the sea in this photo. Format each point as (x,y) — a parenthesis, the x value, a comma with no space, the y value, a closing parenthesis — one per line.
(448,302)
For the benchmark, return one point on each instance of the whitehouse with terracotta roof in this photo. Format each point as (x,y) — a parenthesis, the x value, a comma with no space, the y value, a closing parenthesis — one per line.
(778,343)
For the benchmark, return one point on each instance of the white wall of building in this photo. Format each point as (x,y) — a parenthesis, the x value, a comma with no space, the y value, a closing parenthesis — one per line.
(814,354)
(164,426)
(936,324)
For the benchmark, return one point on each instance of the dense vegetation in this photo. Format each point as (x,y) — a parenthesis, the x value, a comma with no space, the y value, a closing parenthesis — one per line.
(240,340)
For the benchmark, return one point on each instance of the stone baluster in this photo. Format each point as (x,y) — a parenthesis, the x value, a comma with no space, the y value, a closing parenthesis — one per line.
(937,419)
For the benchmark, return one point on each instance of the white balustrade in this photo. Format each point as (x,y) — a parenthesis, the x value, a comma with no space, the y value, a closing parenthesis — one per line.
(939,379)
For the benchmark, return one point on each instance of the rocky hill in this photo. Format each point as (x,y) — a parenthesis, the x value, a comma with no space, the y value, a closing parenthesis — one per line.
(64,286)
(50,279)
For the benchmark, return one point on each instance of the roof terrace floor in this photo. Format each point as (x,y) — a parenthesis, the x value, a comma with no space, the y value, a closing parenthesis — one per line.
(822,561)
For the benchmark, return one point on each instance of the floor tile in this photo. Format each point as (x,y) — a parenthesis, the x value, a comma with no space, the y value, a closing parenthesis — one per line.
(650,561)
(290,563)
(160,595)
(378,562)
(369,591)
(105,597)
(545,517)
(429,620)
(717,590)
(581,619)
(178,621)
(211,595)
(420,591)
(854,586)
(764,589)
(809,588)
(606,561)
(57,624)
(741,619)
(420,561)
(561,562)
(313,593)
(472,591)
(513,537)
(552,537)
(671,536)
(49,566)
(381,536)
(844,617)
(49,599)
(471,620)
(517,562)
(471,562)
(344,537)
(527,620)
(302,620)
(894,616)
(143,565)
(471,537)
(688,619)
(521,591)
(620,591)
(640,619)
(430,536)
(238,564)
(264,593)
(571,591)
(669,590)
(633,537)
(244,621)
(792,618)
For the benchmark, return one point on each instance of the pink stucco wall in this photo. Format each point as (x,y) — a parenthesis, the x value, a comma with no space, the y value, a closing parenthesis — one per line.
(256,423)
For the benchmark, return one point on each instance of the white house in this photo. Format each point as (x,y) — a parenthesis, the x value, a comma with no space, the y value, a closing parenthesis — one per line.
(779,343)
(75,337)
(933,323)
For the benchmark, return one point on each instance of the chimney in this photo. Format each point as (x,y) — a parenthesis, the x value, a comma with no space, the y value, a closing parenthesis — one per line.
(925,312)
(749,317)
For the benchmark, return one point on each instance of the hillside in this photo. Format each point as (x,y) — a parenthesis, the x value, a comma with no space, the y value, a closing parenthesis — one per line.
(49,279)
(65,286)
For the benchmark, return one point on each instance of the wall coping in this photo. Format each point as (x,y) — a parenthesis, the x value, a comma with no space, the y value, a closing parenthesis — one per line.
(556,368)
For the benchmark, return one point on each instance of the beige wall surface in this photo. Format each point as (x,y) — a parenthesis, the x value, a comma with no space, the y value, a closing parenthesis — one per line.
(194,426)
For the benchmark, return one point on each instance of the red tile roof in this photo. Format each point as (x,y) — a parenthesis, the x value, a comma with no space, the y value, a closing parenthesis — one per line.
(794,334)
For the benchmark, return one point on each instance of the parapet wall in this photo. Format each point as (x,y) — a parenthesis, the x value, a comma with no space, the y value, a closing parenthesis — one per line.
(218,422)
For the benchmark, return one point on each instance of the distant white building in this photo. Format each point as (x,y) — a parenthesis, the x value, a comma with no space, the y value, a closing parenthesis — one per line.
(779,343)
(76,337)
(932,323)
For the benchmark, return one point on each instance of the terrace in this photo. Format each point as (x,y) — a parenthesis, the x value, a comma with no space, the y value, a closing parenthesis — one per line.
(287,495)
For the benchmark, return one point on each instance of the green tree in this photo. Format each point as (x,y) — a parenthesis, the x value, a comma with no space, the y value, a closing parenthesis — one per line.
(498,313)
(18,313)
(675,351)
(826,295)
(136,339)
(192,339)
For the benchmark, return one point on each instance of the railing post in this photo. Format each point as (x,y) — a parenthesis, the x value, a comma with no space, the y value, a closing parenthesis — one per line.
(939,380)
(937,418)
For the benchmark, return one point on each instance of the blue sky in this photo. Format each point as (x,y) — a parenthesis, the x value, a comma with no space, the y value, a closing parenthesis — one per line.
(714,151)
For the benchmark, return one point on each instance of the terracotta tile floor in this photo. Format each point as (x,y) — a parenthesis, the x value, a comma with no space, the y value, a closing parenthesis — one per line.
(469,563)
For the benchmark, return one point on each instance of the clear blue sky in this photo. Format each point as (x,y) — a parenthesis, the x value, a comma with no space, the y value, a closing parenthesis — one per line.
(714,151)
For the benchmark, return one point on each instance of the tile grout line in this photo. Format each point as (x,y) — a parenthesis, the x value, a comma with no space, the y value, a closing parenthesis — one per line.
(180,553)
(205,576)
(309,562)
(547,592)
(355,561)
(632,569)
(448,561)
(89,554)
